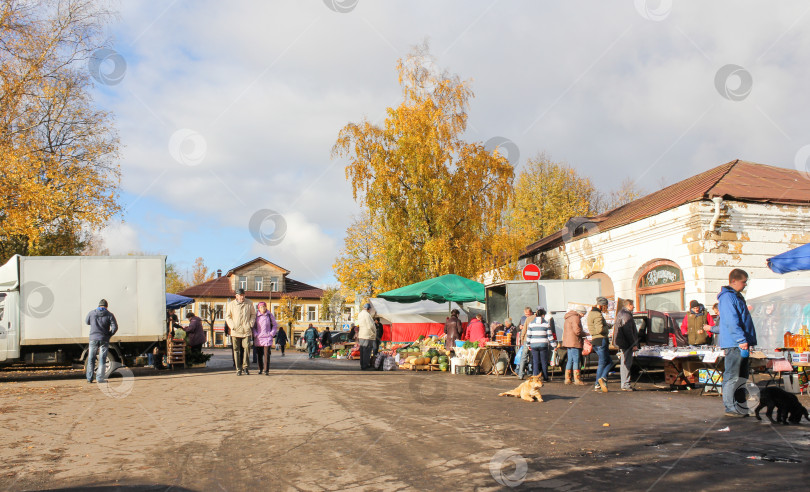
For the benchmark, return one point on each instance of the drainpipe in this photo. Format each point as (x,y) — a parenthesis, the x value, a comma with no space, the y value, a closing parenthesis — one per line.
(718,201)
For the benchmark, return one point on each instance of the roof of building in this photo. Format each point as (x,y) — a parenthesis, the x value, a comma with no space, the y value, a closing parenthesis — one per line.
(221,287)
(254,260)
(736,180)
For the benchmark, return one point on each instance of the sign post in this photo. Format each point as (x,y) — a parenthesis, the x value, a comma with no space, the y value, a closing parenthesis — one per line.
(531,272)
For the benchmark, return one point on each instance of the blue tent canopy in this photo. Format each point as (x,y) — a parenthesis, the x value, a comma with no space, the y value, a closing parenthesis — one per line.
(791,261)
(174,301)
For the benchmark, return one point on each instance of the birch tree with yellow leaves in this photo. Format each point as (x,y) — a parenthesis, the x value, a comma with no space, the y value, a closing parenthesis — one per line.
(547,194)
(436,200)
(59,177)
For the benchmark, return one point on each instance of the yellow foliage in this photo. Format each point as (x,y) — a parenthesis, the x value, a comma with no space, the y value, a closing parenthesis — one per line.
(288,310)
(436,200)
(199,273)
(57,150)
(547,194)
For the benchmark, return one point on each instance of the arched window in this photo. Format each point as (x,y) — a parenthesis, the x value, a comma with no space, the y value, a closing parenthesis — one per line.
(607,284)
(660,287)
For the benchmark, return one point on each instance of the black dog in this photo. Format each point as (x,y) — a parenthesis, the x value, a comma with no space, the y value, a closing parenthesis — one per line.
(787,406)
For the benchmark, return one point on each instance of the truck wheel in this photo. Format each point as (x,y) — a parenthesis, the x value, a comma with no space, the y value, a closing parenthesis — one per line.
(110,364)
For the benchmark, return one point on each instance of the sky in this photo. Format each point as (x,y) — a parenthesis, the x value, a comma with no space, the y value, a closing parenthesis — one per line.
(228,111)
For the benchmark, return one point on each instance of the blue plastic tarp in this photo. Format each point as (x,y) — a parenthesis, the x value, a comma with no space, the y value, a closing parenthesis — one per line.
(791,261)
(174,301)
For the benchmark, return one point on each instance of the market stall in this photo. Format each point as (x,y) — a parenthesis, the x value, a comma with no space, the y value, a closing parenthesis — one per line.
(406,322)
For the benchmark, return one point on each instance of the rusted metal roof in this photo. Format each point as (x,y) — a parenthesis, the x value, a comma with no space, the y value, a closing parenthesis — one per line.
(736,180)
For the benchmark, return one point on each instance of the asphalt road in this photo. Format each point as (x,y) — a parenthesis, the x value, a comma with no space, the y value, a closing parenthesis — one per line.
(325,425)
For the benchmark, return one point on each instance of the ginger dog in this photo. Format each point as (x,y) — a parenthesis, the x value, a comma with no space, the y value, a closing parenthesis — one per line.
(529,390)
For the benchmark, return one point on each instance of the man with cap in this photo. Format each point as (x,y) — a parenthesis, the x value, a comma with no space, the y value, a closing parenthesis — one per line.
(598,328)
(102,327)
(697,325)
(240,315)
(366,335)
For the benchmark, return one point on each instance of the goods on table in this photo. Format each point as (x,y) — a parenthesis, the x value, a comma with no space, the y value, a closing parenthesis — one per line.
(426,354)
(800,341)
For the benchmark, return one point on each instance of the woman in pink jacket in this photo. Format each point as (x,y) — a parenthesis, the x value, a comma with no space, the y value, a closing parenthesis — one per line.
(264,330)
(476,331)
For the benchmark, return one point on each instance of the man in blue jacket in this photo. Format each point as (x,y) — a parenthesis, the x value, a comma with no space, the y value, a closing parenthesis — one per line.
(737,337)
(102,327)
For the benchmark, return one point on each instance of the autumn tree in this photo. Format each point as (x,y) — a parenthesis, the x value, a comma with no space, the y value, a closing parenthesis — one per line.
(289,311)
(361,264)
(332,304)
(58,177)
(627,191)
(199,272)
(436,199)
(547,194)
(174,280)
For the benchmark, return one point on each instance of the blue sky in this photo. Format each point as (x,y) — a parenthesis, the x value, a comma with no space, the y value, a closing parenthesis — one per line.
(230,108)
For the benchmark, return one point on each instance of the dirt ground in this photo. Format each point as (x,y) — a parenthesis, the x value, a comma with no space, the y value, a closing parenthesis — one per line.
(325,425)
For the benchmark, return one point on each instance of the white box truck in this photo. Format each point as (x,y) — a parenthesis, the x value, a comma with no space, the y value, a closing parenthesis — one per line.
(44,301)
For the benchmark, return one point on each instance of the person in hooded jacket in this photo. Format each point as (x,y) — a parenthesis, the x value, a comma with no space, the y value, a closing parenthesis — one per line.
(737,337)
(102,327)
(696,325)
(476,331)
(573,335)
(264,331)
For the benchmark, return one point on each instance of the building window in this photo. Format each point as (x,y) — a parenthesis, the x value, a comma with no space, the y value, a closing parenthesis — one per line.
(242,282)
(298,313)
(204,310)
(311,313)
(259,282)
(347,313)
(660,287)
(219,311)
(273,284)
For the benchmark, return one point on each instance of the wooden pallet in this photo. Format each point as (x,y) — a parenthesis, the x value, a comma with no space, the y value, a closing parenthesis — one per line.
(423,367)
(176,352)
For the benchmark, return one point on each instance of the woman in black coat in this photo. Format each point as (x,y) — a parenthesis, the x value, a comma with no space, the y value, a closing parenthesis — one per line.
(281,339)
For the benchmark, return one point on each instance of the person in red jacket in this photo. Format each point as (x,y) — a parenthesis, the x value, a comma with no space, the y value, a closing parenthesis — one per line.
(476,331)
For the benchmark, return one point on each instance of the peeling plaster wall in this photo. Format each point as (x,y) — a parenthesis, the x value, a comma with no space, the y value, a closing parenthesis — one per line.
(747,234)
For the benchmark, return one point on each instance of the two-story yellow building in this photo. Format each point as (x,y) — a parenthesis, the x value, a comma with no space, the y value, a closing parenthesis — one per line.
(262,280)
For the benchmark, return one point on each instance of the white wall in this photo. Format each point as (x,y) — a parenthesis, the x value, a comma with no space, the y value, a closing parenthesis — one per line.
(748,235)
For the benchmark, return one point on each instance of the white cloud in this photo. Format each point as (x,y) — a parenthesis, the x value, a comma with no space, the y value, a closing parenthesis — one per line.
(269,85)
(120,238)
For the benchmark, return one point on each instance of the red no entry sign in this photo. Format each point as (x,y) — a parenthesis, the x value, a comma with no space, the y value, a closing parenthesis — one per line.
(531,272)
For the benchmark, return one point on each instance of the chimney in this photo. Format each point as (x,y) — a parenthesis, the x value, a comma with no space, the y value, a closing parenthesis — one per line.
(219,273)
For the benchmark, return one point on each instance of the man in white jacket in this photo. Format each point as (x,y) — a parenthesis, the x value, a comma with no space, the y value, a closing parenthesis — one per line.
(366,335)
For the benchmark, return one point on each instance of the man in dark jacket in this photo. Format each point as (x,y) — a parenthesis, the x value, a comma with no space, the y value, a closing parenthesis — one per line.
(102,327)
(379,327)
(326,338)
(311,337)
(626,340)
(453,330)
(196,333)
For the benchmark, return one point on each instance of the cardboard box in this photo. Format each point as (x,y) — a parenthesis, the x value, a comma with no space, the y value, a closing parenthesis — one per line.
(802,358)
(671,375)
(715,379)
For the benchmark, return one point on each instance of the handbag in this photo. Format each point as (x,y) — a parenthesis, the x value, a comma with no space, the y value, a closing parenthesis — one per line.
(587,347)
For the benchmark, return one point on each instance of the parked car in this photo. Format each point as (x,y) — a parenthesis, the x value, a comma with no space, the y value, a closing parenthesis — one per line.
(659,328)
